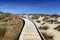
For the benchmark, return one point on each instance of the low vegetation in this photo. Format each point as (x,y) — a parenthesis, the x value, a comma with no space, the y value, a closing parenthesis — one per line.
(38,21)
(57,28)
(10,26)
(2,32)
(44,27)
(47,37)
(35,16)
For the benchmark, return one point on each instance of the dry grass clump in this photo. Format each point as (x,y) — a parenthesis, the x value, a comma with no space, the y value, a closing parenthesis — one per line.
(44,27)
(2,16)
(44,15)
(47,37)
(2,32)
(6,19)
(57,28)
(38,21)
(35,16)
(22,16)
(45,18)
(58,22)
(51,21)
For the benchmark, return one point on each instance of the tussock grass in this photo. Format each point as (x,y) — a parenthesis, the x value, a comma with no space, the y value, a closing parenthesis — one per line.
(47,37)
(45,18)
(35,16)
(2,32)
(44,27)
(57,28)
(51,21)
(38,21)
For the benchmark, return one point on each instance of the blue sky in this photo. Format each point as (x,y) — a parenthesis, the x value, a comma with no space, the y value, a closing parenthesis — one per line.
(30,6)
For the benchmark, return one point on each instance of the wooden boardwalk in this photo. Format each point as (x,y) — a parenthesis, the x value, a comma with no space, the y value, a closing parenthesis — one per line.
(29,32)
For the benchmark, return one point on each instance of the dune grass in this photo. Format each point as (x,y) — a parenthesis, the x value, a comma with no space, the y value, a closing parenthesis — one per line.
(10,26)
